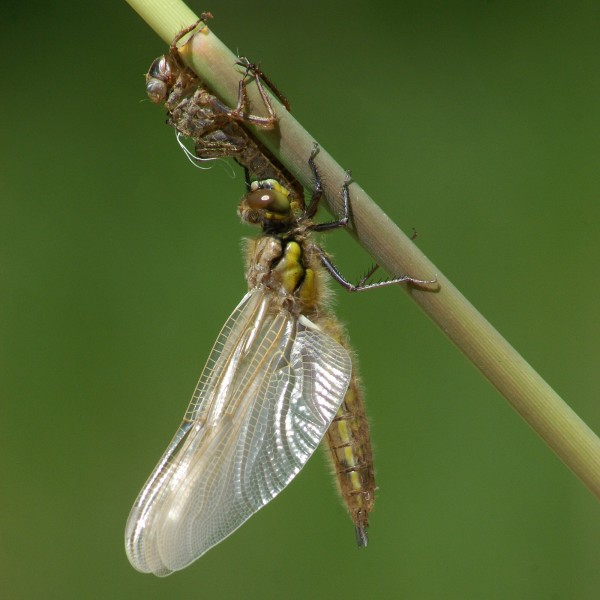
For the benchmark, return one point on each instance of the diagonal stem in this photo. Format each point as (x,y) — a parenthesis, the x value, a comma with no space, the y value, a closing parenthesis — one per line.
(554,421)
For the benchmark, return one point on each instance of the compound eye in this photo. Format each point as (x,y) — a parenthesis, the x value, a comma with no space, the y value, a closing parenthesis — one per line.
(270,200)
(156,90)
(160,69)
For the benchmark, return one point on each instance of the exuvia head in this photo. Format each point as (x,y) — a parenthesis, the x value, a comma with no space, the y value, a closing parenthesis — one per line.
(160,78)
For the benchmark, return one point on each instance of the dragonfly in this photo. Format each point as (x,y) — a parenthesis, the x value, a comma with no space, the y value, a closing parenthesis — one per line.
(218,132)
(280,378)
(216,129)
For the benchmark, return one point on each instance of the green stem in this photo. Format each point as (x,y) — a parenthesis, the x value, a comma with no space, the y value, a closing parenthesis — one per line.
(565,433)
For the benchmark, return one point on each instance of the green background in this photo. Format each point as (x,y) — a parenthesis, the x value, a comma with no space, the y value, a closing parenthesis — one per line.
(477,123)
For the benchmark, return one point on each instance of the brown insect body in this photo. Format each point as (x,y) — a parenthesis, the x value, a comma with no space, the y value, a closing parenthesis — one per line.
(217,132)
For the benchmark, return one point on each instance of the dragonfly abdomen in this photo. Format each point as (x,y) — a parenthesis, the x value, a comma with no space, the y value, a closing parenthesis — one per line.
(352,458)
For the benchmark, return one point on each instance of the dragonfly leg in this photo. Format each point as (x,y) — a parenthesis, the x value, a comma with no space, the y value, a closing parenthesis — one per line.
(205,16)
(260,76)
(247,177)
(362,285)
(318,193)
(223,113)
(326,261)
(238,113)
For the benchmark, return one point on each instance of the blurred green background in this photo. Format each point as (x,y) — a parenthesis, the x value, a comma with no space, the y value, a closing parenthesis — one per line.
(477,123)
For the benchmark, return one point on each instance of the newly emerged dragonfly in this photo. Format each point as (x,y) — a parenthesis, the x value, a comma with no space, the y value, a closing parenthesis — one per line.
(216,130)
(194,112)
(278,380)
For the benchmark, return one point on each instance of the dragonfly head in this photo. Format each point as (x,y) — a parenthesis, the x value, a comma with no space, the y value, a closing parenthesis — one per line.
(160,78)
(267,204)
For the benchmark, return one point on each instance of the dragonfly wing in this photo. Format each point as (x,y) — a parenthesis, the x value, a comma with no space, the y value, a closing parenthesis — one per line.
(269,391)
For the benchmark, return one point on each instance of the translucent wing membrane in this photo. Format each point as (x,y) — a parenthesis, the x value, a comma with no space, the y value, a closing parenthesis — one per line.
(267,395)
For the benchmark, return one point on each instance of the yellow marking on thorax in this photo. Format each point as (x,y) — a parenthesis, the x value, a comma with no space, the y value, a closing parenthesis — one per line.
(307,292)
(289,268)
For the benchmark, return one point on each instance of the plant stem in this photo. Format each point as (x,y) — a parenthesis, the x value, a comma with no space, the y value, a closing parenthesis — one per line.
(566,434)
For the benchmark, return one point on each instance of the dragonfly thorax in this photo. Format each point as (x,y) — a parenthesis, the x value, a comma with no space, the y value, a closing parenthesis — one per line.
(280,266)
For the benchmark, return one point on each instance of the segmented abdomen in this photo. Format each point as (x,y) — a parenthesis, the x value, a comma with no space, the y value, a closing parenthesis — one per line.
(350,446)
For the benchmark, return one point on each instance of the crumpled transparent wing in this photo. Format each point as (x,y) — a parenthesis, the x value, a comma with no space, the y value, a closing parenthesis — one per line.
(267,395)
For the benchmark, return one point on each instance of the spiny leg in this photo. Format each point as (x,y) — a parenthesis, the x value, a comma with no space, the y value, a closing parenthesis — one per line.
(238,113)
(223,113)
(260,75)
(311,209)
(203,17)
(318,193)
(362,286)
(367,275)
(345,219)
